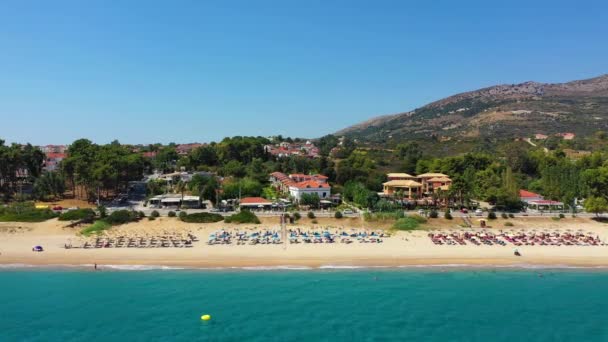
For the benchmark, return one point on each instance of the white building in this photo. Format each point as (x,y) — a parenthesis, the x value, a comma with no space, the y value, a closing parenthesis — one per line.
(175,201)
(323,190)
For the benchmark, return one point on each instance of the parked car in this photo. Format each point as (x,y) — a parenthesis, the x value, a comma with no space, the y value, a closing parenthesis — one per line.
(421,212)
(478,212)
(348,212)
(57,208)
(215,210)
(464,210)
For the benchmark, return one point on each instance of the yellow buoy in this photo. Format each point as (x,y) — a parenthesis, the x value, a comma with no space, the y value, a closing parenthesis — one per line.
(206,317)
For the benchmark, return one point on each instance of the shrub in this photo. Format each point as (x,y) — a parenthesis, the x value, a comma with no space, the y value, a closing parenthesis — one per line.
(96,228)
(314,221)
(508,224)
(561,216)
(245,216)
(383,216)
(433,214)
(141,214)
(406,223)
(25,212)
(491,215)
(171,213)
(121,217)
(511,215)
(78,214)
(504,215)
(338,215)
(447,215)
(297,216)
(202,218)
(151,218)
(310,215)
(154,213)
(103,211)
(182,214)
(418,218)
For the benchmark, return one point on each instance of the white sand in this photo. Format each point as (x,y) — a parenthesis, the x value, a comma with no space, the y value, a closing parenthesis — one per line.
(402,249)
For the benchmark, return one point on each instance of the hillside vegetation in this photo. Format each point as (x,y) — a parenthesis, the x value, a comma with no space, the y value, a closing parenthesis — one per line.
(496,113)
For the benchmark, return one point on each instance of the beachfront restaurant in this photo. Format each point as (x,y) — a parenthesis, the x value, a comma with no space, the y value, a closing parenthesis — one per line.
(192,202)
(545,205)
(255,203)
(171,202)
(174,201)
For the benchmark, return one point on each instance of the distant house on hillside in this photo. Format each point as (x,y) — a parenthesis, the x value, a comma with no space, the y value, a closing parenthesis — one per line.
(54,149)
(285,149)
(539,136)
(185,149)
(566,136)
(52,160)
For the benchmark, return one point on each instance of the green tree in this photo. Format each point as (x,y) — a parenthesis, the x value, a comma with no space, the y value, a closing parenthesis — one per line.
(210,191)
(596,181)
(165,159)
(596,205)
(312,200)
(50,185)
(234,168)
(409,153)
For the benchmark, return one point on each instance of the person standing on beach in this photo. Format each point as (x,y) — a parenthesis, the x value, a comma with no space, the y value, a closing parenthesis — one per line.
(95,266)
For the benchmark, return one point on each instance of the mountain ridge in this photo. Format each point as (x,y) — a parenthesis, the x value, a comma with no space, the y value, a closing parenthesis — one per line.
(504,110)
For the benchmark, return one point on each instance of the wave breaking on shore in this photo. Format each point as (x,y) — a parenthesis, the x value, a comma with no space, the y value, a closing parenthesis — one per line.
(299,268)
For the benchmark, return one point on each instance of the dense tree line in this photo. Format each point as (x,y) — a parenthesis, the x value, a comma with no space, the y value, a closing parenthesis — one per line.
(19,164)
(100,170)
(244,165)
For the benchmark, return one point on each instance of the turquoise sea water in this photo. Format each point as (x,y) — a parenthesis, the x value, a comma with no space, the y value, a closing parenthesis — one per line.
(310,305)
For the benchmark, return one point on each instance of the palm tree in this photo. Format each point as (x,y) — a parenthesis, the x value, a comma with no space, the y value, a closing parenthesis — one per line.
(181,188)
(399,196)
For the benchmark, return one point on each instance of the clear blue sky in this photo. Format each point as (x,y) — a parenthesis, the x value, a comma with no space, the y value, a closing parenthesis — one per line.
(161,71)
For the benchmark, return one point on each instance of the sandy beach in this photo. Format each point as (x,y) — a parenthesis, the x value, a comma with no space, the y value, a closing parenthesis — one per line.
(401,249)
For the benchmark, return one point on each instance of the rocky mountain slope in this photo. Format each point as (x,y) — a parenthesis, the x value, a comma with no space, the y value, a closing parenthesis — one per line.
(502,111)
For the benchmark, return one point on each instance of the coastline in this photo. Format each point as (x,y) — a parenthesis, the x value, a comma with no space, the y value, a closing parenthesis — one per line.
(402,250)
(316,264)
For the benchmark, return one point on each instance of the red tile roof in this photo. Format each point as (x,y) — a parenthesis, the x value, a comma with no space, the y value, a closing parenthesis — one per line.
(528,194)
(311,184)
(255,200)
(53,155)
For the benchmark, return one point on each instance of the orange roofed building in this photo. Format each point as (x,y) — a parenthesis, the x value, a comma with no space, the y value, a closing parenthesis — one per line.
(254,203)
(416,186)
(298,184)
